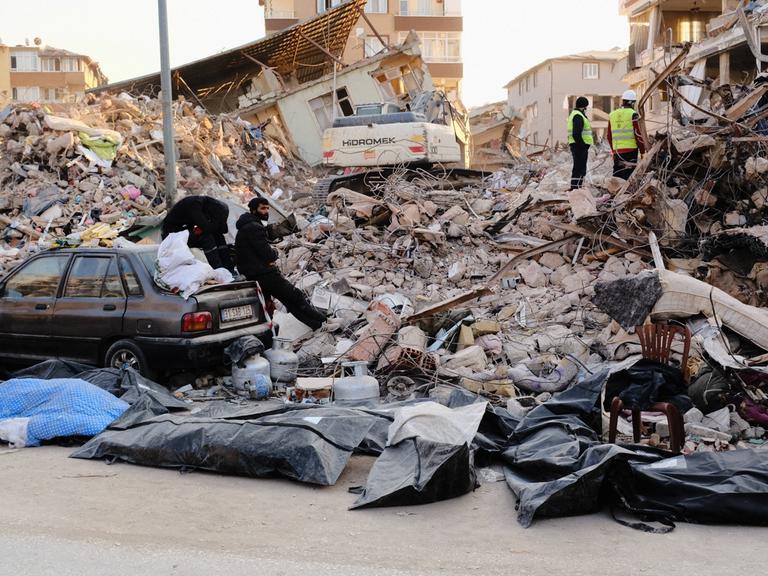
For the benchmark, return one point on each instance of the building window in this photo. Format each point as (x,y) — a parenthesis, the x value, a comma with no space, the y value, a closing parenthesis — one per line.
(54,94)
(535,79)
(322,107)
(50,64)
(535,109)
(373,46)
(527,83)
(520,88)
(325,5)
(26,93)
(438,46)
(14,94)
(590,71)
(25,62)
(377,7)
(421,8)
(344,102)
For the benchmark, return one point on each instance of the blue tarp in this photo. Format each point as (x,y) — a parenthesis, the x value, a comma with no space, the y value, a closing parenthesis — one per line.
(58,408)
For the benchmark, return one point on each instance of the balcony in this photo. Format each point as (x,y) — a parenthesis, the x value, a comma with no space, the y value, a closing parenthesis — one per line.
(281,14)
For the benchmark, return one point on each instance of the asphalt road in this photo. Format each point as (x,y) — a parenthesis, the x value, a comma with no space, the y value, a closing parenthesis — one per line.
(62,516)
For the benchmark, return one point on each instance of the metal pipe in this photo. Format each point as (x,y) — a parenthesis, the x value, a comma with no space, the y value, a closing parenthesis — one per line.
(169,149)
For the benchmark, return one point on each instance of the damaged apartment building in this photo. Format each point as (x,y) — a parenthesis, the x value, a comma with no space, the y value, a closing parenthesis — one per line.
(544,95)
(295,82)
(723,40)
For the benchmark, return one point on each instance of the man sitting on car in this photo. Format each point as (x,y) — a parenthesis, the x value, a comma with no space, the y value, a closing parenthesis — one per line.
(206,220)
(257,260)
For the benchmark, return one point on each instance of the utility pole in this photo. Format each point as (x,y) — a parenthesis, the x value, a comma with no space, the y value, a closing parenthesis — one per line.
(169,149)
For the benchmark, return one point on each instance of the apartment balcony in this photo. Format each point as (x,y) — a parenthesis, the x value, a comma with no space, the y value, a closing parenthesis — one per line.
(432,22)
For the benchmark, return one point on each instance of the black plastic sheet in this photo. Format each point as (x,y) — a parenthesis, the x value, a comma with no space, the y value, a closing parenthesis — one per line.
(125,383)
(556,464)
(418,471)
(646,383)
(308,446)
(704,487)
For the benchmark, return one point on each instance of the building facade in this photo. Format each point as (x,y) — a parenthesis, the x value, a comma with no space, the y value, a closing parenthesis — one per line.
(45,74)
(439,24)
(543,96)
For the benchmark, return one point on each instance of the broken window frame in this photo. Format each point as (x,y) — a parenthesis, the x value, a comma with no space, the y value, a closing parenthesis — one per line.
(322,107)
(438,47)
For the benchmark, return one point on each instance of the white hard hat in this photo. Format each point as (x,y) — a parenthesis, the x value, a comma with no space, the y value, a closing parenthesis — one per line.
(629,96)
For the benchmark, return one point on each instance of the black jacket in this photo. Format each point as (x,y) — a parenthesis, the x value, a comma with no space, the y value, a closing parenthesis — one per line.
(202,211)
(255,256)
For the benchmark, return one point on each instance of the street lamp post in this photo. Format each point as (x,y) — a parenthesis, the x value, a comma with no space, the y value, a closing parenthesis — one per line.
(169,149)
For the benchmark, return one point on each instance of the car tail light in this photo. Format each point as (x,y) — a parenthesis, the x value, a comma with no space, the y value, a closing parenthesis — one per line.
(416,149)
(196,322)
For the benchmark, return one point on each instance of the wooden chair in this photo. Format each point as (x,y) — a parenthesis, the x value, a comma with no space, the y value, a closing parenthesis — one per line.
(656,344)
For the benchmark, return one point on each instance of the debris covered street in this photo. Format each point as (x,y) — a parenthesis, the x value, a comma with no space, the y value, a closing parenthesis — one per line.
(299,301)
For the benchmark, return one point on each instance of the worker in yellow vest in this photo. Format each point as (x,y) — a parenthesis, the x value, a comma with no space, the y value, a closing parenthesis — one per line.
(625,137)
(579,140)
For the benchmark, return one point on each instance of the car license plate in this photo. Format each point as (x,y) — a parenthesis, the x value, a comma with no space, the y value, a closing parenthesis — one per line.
(237,313)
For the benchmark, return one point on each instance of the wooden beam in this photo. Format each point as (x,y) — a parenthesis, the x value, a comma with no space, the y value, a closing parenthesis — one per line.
(321,48)
(448,304)
(368,21)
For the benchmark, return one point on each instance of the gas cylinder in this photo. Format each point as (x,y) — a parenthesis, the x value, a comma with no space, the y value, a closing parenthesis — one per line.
(283,362)
(357,386)
(252,379)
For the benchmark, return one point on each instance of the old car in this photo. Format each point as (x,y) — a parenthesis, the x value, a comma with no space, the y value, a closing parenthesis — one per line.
(101,306)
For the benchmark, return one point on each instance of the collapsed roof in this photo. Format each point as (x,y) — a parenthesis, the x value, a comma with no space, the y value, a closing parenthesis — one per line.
(305,51)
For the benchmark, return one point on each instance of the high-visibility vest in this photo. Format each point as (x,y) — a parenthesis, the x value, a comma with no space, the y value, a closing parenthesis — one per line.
(586,132)
(623,129)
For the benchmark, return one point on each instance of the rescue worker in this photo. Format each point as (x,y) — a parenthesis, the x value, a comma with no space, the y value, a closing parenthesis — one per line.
(625,137)
(579,140)
(257,260)
(206,220)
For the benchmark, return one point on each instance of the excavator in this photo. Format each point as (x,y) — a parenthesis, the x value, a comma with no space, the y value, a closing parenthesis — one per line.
(430,137)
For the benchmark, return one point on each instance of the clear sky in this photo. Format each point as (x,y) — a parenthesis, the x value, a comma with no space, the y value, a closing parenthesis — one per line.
(501,37)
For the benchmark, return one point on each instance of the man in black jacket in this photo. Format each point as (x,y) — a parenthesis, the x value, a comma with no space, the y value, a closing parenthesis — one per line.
(206,220)
(257,260)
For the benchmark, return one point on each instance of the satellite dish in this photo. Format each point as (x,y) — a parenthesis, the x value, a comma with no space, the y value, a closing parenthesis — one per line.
(37,41)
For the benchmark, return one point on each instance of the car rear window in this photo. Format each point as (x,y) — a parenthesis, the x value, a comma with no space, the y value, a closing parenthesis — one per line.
(148,258)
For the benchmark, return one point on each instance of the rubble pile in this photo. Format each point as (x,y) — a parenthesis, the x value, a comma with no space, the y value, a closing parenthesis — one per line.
(86,173)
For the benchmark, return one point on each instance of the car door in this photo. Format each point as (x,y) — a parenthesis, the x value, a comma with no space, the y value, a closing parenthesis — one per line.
(27,300)
(90,308)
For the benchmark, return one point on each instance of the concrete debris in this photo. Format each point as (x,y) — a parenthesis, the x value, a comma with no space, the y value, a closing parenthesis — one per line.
(485,281)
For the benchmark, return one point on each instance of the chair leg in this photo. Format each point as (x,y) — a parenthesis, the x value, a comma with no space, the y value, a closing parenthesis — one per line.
(676,428)
(636,421)
(616,406)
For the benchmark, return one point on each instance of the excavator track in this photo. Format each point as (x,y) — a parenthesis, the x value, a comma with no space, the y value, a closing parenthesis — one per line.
(364,181)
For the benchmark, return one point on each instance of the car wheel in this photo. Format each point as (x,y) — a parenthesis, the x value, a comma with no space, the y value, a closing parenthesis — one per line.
(125,353)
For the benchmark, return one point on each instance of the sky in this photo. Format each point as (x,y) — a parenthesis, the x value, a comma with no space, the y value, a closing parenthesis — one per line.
(501,37)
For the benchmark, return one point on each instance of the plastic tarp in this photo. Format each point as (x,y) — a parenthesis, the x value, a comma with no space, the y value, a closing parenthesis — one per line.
(704,487)
(556,464)
(33,410)
(125,383)
(428,457)
(309,446)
